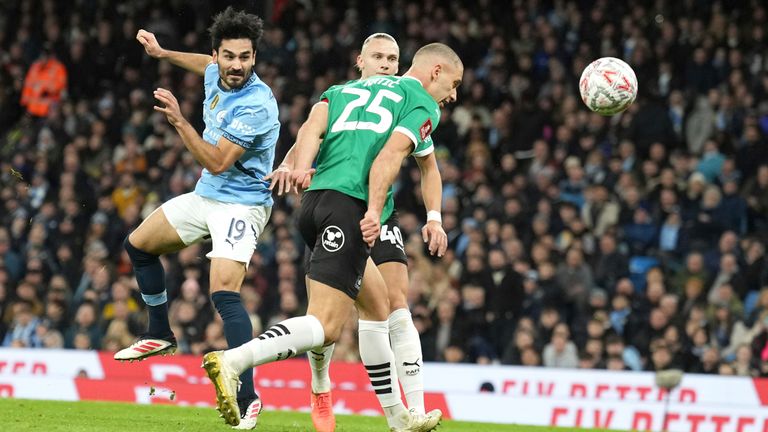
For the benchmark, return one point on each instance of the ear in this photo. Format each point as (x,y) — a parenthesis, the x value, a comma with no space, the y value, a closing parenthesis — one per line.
(215,56)
(436,71)
(359,62)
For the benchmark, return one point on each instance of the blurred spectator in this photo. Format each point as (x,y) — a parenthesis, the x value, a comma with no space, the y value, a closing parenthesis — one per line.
(44,84)
(22,331)
(560,352)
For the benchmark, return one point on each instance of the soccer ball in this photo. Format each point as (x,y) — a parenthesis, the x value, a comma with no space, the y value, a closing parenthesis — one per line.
(608,86)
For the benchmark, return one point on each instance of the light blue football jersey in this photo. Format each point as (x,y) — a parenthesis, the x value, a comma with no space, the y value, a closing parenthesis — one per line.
(247,116)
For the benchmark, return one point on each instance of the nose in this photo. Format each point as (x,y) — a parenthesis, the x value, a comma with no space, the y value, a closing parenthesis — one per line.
(453,96)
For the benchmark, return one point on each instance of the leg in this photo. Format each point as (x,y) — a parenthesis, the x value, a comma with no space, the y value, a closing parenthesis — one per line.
(403,335)
(378,358)
(281,341)
(319,362)
(371,309)
(225,280)
(234,231)
(389,255)
(373,301)
(319,359)
(321,325)
(155,236)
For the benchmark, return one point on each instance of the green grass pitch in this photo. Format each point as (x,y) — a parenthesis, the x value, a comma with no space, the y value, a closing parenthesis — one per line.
(21,415)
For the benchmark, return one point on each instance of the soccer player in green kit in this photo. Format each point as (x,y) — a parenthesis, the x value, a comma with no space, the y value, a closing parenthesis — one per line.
(380,55)
(356,121)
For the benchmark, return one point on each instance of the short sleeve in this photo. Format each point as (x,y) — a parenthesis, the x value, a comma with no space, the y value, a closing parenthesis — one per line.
(418,125)
(211,75)
(424,148)
(326,96)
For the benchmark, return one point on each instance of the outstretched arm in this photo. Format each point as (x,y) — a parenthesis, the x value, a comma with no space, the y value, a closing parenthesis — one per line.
(382,175)
(192,62)
(432,191)
(280,178)
(307,145)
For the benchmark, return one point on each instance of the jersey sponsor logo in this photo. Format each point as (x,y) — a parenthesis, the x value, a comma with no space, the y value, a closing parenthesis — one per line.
(220,115)
(242,127)
(333,238)
(425,129)
(215,101)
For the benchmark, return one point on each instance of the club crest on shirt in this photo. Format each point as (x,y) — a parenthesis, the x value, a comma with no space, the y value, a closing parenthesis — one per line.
(215,101)
(425,129)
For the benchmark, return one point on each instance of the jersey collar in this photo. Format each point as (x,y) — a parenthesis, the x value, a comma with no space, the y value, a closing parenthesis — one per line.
(250,81)
(413,78)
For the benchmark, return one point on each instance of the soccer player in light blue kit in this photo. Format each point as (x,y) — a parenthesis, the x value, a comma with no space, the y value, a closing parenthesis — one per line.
(231,202)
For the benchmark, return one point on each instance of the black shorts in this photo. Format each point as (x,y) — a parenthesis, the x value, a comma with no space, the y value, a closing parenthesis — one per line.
(329,222)
(389,247)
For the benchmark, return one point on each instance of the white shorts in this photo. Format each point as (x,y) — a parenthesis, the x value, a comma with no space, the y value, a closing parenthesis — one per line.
(233,228)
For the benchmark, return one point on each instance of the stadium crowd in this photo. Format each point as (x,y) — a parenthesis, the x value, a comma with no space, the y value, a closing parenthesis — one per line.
(633,242)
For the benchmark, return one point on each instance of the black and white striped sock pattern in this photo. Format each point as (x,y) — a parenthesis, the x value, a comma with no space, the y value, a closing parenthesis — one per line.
(283,340)
(275,331)
(379,361)
(381,377)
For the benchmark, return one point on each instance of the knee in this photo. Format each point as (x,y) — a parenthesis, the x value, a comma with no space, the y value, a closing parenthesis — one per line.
(373,310)
(397,300)
(400,318)
(226,283)
(138,256)
(332,333)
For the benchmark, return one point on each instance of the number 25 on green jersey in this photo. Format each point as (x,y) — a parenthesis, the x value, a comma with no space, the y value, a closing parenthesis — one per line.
(363,95)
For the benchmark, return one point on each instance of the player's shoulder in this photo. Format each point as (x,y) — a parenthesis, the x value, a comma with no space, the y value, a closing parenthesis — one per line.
(258,88)
(211,72)
(255,95)
(413,86)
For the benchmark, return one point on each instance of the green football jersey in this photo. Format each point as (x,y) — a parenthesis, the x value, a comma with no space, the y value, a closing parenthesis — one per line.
(361,117)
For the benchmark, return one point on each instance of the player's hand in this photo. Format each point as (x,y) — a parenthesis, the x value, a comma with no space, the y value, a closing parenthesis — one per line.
(301,179)
(281,177)
(149,42)
(436,238)
(370,225)
(170,106)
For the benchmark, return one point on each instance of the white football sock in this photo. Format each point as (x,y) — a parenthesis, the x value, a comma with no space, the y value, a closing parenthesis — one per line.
(378,360)
(406,345)
(283,340)
(319,361)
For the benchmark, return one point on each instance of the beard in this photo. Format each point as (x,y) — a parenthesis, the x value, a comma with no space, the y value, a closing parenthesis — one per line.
(235,79)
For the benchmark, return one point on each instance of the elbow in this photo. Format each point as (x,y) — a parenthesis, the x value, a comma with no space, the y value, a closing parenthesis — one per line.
(217,169)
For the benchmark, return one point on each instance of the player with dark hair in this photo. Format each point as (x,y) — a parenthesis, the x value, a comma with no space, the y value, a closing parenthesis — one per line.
(355,121)
(380,55)
(231,202)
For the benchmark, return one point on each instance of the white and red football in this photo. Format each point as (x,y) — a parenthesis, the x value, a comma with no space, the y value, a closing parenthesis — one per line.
(608,86)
